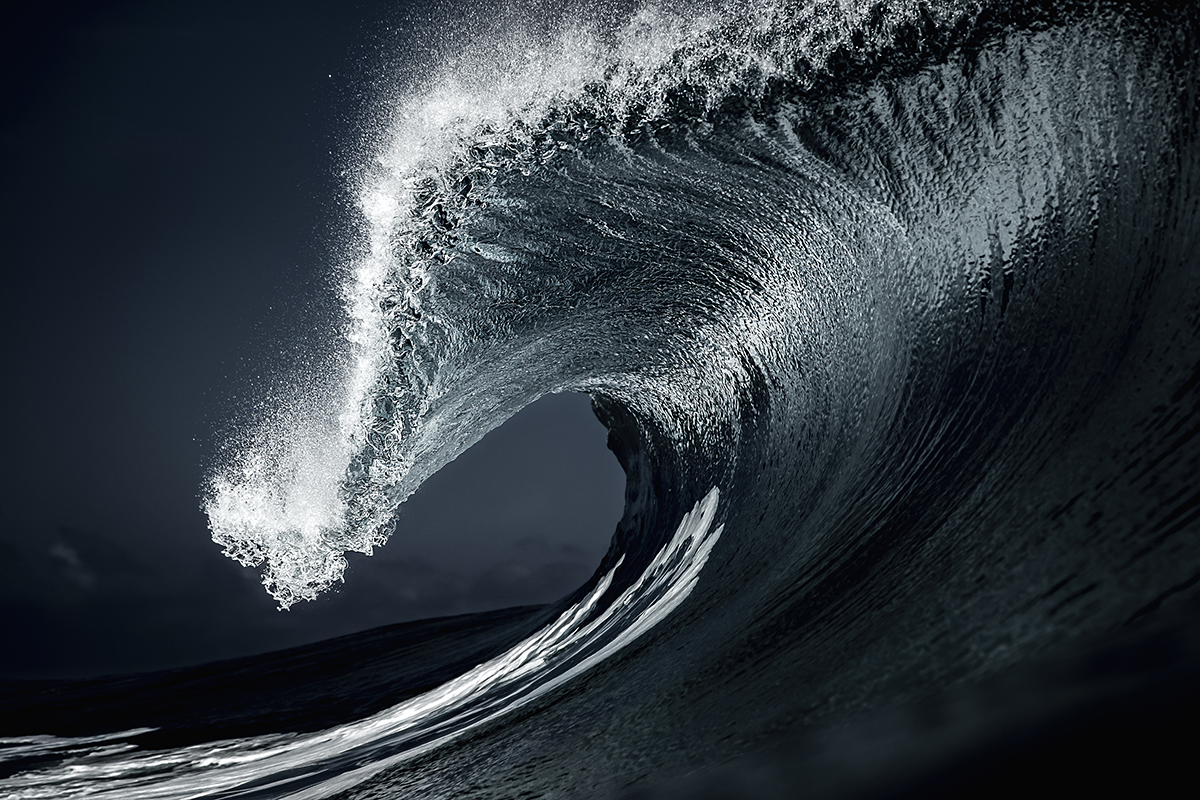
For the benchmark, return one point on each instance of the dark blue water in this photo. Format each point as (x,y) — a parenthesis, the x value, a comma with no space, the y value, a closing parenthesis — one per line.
(892,315)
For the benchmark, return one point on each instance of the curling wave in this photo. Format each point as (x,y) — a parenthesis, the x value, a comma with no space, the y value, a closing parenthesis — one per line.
(912,288)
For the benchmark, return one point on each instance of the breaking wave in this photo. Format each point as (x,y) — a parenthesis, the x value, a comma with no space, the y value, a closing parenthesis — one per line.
(911,288)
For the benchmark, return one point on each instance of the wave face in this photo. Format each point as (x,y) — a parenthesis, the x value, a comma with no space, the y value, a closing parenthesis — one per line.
(892,314)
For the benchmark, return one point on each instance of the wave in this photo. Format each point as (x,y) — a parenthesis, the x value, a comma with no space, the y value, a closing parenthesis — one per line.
(501,221)
(912,289)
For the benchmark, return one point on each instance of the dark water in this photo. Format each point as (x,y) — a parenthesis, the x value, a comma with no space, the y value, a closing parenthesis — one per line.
(892,315)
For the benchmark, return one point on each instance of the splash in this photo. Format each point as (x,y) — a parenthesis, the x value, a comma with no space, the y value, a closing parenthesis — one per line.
(434,187)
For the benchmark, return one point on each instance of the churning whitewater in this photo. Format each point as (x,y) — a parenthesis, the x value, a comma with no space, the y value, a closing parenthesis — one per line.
(469,276)
(891,311)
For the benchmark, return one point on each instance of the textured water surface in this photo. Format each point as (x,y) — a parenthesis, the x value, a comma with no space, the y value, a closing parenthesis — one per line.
(891,311)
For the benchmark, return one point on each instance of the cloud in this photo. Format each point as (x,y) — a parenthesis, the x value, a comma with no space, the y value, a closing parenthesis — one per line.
(516,583)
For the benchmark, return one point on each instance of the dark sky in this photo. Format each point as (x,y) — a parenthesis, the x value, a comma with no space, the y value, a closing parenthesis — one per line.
(171,207)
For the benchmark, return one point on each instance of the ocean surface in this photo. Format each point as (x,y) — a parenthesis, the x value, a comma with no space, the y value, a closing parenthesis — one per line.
(892,311)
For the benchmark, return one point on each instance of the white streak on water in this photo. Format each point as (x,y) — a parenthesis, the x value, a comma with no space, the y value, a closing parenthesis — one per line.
(581,638)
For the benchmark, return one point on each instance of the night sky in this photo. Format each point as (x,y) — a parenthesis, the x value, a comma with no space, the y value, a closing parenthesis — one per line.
(173,208)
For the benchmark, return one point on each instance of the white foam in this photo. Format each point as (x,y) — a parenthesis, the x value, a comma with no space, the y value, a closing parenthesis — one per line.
(285,499)
(276,502)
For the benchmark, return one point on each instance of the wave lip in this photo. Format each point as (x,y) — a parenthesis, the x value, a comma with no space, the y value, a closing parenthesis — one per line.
(442,186)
